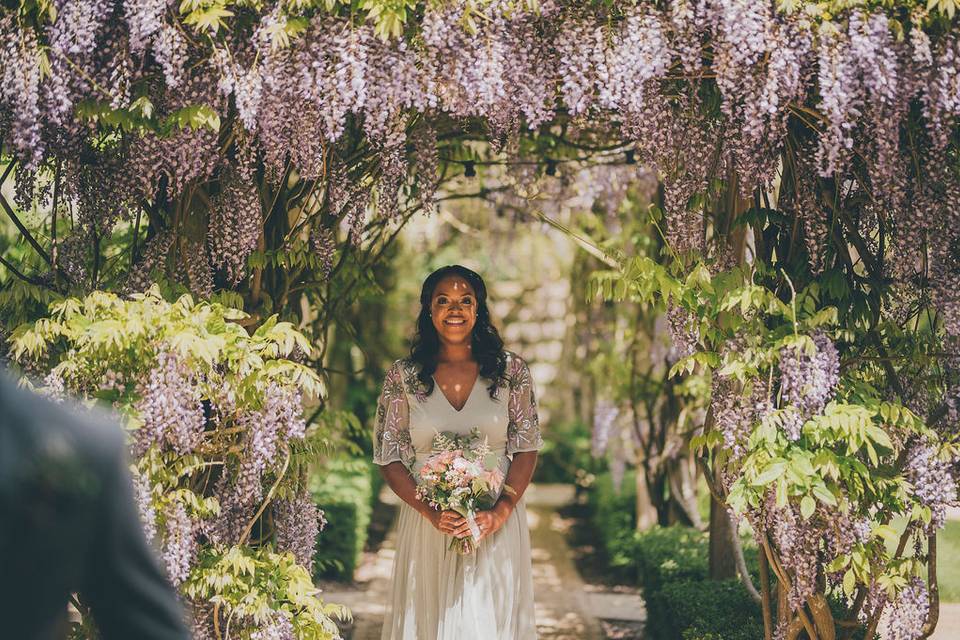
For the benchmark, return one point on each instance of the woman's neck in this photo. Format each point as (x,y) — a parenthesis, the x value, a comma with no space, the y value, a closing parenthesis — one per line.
(455,353)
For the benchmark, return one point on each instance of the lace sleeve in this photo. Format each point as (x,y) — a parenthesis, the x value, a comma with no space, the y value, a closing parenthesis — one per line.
(391,432)
(523,428)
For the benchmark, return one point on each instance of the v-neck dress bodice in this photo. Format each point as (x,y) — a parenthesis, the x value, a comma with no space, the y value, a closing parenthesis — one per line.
(438,594)
(465,401)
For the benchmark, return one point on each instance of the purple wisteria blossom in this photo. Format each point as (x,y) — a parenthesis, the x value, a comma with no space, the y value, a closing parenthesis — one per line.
(297,522)
(605,415)
(142,489)
(807,382)
(267,429)
(170,407)
(908,613)
(179,543)
(933,480)
(737,415)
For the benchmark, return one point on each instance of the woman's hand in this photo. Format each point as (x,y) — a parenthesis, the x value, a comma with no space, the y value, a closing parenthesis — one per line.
(488,521)
(446,522)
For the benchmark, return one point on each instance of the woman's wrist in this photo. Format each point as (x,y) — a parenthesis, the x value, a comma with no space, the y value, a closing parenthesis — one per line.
(428,512)
(503,507)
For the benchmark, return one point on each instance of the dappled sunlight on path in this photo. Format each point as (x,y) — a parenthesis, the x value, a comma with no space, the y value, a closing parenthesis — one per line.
(561,604)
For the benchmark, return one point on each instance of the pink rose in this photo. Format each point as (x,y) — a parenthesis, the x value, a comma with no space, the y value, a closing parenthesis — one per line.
(494,477)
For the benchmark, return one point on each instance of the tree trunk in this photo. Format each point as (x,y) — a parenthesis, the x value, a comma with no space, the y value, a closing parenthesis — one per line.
(683,483)
(766,596)
(723,563)
(646,510)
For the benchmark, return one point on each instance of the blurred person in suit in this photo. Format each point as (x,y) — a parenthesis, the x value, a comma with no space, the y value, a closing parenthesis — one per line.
(69,524)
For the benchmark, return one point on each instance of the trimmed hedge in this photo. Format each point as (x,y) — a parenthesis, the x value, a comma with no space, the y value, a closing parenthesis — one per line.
(702,610)
(614,514)
(666,554)
(670,554)
(345,490)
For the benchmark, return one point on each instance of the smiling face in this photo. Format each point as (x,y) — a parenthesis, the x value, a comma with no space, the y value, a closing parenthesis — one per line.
(453,309)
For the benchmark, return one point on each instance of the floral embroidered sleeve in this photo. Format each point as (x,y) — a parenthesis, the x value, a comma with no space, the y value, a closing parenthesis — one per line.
(391,432)
(523,428)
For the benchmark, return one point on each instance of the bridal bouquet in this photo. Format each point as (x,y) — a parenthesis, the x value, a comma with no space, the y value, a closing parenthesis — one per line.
(462,475)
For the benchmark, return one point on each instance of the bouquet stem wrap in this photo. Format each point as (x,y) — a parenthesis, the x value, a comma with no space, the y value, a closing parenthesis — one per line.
(474,529)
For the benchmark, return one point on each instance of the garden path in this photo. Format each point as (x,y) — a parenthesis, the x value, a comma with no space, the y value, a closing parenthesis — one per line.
(565,610)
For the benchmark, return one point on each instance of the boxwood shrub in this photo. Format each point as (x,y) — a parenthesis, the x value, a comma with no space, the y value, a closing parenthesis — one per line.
(668,554)
(702,609)
(344,489)
(613,514)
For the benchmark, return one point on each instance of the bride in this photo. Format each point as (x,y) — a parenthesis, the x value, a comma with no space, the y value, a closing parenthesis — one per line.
(458,376)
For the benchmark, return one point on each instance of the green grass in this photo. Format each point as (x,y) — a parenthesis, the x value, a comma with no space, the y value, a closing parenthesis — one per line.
(948,562)
(948,557)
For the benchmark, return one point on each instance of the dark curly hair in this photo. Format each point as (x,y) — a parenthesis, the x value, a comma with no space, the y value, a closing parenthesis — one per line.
(487,343)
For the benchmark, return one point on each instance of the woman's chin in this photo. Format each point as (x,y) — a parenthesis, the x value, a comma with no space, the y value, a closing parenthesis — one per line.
(455,337)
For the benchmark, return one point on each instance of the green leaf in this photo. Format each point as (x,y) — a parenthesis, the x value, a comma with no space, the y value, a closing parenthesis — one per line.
(781,492)
(807,506)
(849,582)
(879,436)
(824,495)
(210,19)
(771,473)
(885,531)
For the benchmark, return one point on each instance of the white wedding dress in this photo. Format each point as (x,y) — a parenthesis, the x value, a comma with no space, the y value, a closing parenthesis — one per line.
(436,593)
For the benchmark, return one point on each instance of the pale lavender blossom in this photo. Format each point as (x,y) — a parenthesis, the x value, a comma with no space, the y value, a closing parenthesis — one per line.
(297,522)
(807,382)
(684,331)
(179,543)
(736,413)
(20,89)
(236,219)
(144,18)
(169,407)
(908,614)
(142,490)
(932,479)
(170,49)
(278,628)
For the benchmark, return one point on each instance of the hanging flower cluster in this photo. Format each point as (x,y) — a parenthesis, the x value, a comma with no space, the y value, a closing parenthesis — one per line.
(807,381)
(933,480)
(700,88)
